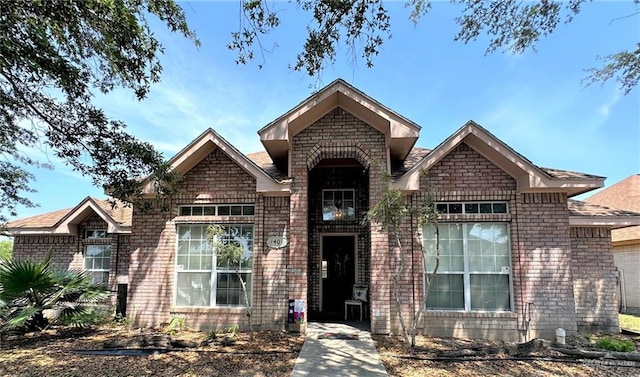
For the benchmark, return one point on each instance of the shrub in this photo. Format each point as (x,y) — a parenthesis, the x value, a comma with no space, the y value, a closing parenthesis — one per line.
(612,344)
(28,289)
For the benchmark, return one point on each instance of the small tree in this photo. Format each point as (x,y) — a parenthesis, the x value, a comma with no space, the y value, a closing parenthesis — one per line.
(390,213)
(230,249)
(29,288)
(6,248)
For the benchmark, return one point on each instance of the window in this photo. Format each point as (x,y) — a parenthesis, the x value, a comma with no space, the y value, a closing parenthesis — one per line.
(338,205)
(95,234)
(475,267)
(96,262)
(219,210)
(472,208)
(97,255)
(202,280)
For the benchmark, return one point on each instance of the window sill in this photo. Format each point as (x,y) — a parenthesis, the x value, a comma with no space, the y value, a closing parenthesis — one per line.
(207,309)
(469,314)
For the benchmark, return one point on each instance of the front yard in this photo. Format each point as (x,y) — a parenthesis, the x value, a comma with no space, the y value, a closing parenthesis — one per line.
(53,353)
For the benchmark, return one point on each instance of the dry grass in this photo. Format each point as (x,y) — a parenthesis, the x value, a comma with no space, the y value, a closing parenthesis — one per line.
(630,322)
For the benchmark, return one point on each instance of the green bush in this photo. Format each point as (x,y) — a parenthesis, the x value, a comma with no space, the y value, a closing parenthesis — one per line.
(28,289)
(618,345)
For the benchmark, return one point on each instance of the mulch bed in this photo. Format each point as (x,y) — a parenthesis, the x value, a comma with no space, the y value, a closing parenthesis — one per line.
(54,353)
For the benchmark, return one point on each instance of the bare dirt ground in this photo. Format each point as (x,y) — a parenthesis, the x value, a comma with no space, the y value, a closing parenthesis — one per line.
(52,353)
(486,358)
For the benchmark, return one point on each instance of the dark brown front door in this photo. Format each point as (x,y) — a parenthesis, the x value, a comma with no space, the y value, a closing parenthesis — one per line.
(338,273)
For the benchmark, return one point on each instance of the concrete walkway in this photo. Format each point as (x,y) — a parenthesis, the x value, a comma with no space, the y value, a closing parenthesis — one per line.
(338,350)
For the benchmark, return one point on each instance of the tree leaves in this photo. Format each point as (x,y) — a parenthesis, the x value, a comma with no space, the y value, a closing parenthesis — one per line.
(364,25)
(54,55)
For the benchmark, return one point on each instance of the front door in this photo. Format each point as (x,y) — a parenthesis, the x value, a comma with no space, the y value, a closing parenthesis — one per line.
(338,273)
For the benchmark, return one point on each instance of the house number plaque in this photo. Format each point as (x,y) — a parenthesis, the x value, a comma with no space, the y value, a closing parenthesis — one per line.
(276,242)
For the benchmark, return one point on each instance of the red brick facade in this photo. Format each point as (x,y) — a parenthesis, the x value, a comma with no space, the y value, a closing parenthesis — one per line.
(594,279)
(559,275)
(68,251)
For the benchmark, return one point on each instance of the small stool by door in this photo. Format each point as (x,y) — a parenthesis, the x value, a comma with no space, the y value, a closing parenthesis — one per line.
(359,299)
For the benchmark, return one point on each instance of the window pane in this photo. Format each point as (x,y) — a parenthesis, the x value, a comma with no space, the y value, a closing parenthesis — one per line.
(248,210)
(236,210)
(499,207)
(441,208)
(223,211)
(485,208)
(196,211)
(209,211)
(348,195)
(489,292)
(185,211)
(229,289)
(193,289)
(471,208)
(455,208)
(446,292)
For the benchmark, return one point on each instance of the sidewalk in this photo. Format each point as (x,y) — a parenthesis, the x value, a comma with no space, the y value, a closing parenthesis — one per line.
(337,350)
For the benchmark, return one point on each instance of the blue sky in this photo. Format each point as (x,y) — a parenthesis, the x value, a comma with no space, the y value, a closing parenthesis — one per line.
(535,102)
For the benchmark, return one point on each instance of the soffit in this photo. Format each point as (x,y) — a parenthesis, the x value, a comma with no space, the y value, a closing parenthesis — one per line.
(206,143)
(529,177)
(401,133)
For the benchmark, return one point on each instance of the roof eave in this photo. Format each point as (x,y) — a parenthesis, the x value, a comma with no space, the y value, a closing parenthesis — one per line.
(612,222)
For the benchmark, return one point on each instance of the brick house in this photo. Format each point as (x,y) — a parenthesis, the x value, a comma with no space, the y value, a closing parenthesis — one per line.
(625,195)
(519,258)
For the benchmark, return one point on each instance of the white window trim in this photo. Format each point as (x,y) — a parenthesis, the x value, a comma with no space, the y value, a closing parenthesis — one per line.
(92,270)
(214,271)
(466,274)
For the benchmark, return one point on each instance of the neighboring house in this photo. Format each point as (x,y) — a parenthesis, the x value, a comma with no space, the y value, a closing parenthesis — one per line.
(626,242)
(519,260)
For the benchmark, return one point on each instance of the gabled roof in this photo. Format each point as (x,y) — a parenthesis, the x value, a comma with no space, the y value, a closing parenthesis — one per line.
(206,143)
(400,132)
(588,214)
(529,177)
(65,221)
(624,195)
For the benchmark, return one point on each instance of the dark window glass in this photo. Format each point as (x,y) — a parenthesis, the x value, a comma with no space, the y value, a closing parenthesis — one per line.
(499,207)
(485,207)
(236,210)
(197,211)
(441,208)
(471,208)
(185,211)
(223,211)
(455,208)
(248,210)
(209,211)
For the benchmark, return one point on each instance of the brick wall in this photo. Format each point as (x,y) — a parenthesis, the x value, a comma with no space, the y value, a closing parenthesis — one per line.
(67,251)
(336,135)
(543,264)
(627,260)
(462,175)
(215,180)
(270,265)
(594,277)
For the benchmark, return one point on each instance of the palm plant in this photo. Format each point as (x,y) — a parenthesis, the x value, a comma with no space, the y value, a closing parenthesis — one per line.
(29,288)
